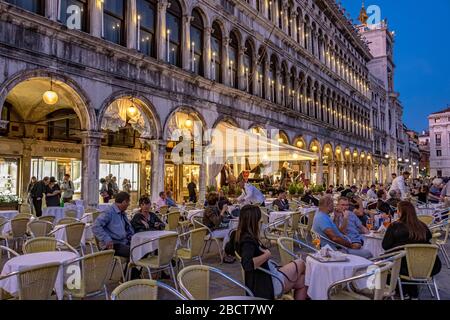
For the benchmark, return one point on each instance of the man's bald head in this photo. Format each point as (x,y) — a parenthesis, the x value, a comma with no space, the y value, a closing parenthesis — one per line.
(326,204)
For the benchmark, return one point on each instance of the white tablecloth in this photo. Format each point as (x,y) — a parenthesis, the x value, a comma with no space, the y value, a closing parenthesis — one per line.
(9,214)
(195,213)
(372,242)
(142,237)
(34,259)
(79,208)
(319,276)
(275,215)
(58,213)
(61,234)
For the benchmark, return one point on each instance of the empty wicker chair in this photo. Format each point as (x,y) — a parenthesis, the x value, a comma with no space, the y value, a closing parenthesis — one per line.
(9,252)
(172,220)
(428,220)
(305,224)
(23,216)
(50,219)
(95,269)
(74,234)
(193,251)
(39,228)
(163,210)
(195,282)
(36,283)
(45,244)
(143,289)
(71,213)
(286,249)
(25,208)
(163,261)
(67,220)
(18,231)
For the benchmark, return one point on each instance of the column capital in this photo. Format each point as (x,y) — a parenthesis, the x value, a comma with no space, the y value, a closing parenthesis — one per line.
(188,18)
(208,30)
(163,4)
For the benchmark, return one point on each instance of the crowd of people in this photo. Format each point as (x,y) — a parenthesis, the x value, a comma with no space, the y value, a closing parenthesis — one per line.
(109,187)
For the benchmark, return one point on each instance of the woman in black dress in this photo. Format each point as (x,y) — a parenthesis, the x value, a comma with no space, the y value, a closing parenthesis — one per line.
(408,230)
(255,255)
(52,193)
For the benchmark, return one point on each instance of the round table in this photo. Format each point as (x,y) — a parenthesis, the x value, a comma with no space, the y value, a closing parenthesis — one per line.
(18,263)
(141,237)
(195,213)
(9,214)
(319,276)
(373,243)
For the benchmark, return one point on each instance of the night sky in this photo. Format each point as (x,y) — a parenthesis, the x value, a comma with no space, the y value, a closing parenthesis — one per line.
(421,54)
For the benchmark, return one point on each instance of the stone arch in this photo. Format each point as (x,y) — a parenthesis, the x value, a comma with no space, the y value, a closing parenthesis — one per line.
(300,142)
(146,108)
(82,106)
(184,109)
(202,11)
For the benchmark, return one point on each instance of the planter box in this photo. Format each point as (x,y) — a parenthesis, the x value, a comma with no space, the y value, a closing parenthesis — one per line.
(9,206)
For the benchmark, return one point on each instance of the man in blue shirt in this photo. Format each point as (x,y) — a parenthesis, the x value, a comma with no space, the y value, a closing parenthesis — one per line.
(112,228)
(324,226)
(170,202)
(349,224)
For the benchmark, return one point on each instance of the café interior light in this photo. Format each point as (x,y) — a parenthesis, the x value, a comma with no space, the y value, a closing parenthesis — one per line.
(314,148)
(300,144)
(188,123)
(132,110)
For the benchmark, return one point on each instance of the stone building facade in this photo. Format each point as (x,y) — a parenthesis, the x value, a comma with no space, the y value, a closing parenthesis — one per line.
(297,66)
(439,126)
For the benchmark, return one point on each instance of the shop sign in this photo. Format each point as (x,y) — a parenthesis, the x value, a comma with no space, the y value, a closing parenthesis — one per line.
(117,154)
(57,150)
(9,147)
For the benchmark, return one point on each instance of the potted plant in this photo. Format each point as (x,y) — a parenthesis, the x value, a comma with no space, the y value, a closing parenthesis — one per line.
(9,202)
(293,189)
(225,190)
(211,189)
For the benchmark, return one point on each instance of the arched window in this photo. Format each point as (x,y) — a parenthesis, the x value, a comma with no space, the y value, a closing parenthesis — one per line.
(233,60)
(65,125)
(260,74)
(36,6)
(147,25)
(299,26)
(114,21)
(292,93)
(216,55)
(313,40)
(197,43)
(284,86)
(248,67)
(273,82)
(289,22)
(258,5)
(173,25)
(73,14)
(306,34)
(280,14)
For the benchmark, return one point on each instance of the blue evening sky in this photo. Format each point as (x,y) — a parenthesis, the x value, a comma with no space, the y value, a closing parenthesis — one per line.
(421,54)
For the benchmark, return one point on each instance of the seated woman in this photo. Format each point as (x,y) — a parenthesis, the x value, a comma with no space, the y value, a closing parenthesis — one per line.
(408,230)
(255,255)
(144,220)
(213,217)
(281,202)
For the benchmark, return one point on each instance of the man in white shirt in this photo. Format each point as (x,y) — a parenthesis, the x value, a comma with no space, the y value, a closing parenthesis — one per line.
(399,184)
(372,193)
(250,194)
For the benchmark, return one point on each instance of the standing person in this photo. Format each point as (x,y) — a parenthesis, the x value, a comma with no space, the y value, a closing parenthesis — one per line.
(52,193)
(250,194)
(408,230)
(29,197)
(104,191)
(37,192)
(126,186)
(399,184)
(192,187)
(67,188)
(114,187)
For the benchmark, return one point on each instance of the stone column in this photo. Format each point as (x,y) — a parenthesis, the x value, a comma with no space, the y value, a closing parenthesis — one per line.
(319,180)
(242,83)
(308,169)
(51,9)
(157,160)
(226,62)
(331,173)
(294,26)
(26,167)
(131,22)
(186,55)
(296,96)
(95,18)
(254,73)
(268,85)
(143,173)
(161,30)
(341,173)
(207,55)
(278,87)
(90,155)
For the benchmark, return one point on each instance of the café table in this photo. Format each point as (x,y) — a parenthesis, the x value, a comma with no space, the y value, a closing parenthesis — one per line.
(141,237)
(18,263)
(320,276)
(8,214)
(58,212)
(373,243)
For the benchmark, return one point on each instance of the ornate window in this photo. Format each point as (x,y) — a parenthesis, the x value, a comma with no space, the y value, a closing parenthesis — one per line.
(197,30)
(147,25)
(174,30)
(114,21)
(233,60)
(216,54)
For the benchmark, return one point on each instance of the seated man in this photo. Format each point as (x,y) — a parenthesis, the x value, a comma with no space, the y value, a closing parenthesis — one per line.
(309,199)
(372,193)
(394,198)
(112,228)
(281,202)
(324,226)
(170,202)
(349,224)
(161,202)
(382,205)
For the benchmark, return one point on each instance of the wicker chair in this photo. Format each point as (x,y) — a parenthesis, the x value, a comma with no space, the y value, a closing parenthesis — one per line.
(45,244)
(50,219)
(172,220)
(305,227)
(196,242)
(23,216)
(343,290)
(272,231)
(36,283)
(25,208)
(95,269)
(445,226)
(428,220)
(291,228)
(74,234)
(286,249)
(18,231)
(163,210)
(39,228)
(197,222)
(71,213)
(143,289)
(3,294)
(67,220)
(163,261)
(194,282)
(420,259)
